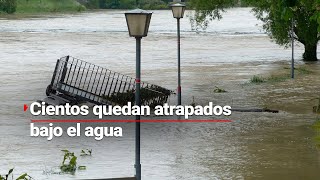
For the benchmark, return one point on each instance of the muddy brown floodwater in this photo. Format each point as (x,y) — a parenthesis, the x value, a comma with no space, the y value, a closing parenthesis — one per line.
(227,54)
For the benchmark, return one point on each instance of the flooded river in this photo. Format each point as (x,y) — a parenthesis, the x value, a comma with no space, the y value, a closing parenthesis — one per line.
(227,54)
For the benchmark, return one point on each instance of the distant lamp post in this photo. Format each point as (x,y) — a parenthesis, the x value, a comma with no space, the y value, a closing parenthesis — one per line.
(292,46)
(138,22)
(178,13)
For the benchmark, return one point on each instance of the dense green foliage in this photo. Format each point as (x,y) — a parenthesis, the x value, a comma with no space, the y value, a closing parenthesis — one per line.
(8,6)
(39,6)
(120,4)
(316,16)
(32,6)
(93,4)
(276,15)
(126,4)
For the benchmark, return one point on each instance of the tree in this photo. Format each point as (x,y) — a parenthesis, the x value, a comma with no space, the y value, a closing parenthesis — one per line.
(8,6)
(276,16)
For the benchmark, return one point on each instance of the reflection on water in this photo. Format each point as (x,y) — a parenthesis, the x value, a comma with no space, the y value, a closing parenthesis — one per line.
(254,146)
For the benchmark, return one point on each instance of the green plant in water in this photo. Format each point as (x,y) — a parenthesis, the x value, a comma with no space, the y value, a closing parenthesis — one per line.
(278,78)
(69,163)
(301,70)
(24,176)
(5,177)
(257,79)
(86,152)
(273,78)
(316,127)
(219,90)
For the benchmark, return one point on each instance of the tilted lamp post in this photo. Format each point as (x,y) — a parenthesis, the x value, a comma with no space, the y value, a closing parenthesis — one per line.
(138,22)
(178,12)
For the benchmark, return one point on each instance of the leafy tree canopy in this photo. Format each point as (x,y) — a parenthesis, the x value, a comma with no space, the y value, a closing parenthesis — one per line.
(276,16)
(8,6)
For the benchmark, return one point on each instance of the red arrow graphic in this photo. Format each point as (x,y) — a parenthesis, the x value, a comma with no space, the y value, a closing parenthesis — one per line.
(25,107)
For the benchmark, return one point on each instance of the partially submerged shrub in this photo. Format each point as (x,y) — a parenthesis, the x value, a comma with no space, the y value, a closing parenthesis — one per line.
(69,163)
(280,78)
(219,90)
(86,152)
(257,79)
(24,176)
(273,78)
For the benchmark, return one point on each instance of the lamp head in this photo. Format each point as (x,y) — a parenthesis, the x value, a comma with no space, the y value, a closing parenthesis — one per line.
(138,22)
(178,10)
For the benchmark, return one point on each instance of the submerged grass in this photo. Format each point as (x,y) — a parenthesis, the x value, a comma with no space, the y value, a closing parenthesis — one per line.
(301,70)
(257,79)
(316,127)
(278,78)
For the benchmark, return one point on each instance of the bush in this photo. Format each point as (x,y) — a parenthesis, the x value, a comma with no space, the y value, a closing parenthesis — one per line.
(8,6)
(257,79)
(36,6)
(153,4)
(127,4)
(120,4)
(130,4)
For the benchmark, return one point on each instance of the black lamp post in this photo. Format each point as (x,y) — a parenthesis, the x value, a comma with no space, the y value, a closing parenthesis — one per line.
(292,46)
(138,22)
(178,12)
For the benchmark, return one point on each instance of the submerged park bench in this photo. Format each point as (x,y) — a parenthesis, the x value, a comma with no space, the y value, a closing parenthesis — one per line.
(76,81)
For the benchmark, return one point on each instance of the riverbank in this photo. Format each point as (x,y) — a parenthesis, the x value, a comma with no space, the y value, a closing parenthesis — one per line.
(44,6)
(34,7)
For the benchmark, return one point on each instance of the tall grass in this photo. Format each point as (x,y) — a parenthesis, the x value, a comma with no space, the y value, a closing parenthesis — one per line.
(279,77)
(316,127)
(257,79)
